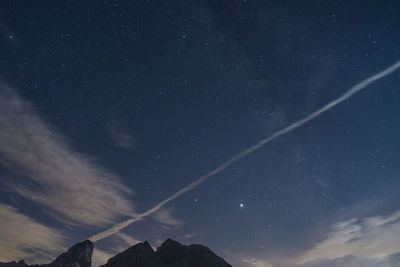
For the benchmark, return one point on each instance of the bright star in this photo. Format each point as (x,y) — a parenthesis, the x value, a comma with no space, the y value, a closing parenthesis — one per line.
(241,205)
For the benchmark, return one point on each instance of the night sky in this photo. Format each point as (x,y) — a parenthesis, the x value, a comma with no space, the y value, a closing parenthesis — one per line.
(108,108)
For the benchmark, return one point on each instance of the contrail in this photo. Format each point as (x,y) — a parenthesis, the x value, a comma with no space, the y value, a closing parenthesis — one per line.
(353,90)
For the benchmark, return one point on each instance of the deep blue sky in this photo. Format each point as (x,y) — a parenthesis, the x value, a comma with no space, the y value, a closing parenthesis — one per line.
(144,97)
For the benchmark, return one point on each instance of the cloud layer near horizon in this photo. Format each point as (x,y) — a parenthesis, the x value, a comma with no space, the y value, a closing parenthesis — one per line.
(373,237)
(66,181)
(41,243)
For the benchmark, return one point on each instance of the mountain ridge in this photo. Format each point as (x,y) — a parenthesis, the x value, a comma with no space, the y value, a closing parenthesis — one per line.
(170,254)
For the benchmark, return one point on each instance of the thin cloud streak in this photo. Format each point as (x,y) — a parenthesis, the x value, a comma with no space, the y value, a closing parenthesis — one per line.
(65,181)
(353,90)
(254,262)
(114,229)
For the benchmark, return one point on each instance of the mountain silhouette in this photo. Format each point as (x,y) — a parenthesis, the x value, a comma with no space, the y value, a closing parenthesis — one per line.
(170,254)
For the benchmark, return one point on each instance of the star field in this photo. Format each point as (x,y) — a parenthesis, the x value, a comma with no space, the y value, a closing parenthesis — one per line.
(110,107)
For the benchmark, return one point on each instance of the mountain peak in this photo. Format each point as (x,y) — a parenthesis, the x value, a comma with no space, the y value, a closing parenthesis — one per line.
(139,255)
(170,254)
(170,244)
(80,254)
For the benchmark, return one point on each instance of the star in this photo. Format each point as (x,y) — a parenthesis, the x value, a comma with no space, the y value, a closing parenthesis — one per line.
(241,205)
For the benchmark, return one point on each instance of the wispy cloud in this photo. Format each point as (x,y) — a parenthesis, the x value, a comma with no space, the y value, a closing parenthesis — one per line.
(165,218)
(24,238)
(190,235)
(120,138)
(67,181)
(127,239)
(254,262)
(373,238)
